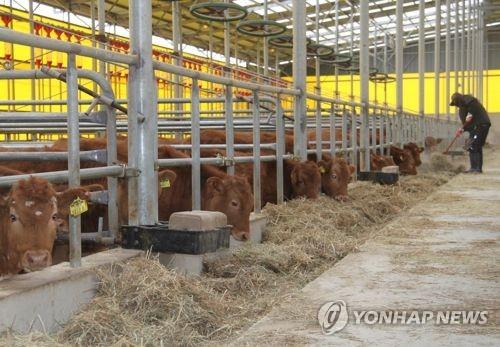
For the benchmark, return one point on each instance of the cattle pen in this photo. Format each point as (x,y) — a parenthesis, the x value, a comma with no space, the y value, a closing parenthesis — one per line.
(162,106)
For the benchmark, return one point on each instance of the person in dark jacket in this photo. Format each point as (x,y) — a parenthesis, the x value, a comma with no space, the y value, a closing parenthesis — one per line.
(476,122)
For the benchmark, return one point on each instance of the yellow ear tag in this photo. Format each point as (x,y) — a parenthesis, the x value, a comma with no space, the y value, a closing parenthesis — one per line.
(77,207)
(165,183)
(322,170)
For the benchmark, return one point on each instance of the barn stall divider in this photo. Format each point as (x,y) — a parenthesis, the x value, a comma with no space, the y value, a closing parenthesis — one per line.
(394,126)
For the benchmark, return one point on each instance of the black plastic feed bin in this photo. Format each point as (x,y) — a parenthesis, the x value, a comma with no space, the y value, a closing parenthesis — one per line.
(159,238)
(385,178)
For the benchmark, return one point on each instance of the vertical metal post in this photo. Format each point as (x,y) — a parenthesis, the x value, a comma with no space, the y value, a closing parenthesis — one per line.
(345,119)
(32,53)
(456,52)
(195,146)
(75,238)
(337,47)
(266,44)
(399,66)
(437,58)
(462,50)
(333,136)
(101,22)
(354,139)
(482,53)
(364,65)
(299,78)
(142,117)
(256,153)
(177,41)
(447,63)
(469,44)
(229,127)
(280,148)
(319,145)
(421,66)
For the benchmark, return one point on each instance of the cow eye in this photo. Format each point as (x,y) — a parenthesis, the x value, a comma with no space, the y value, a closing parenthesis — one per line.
(54,216)
(13,218)
(235,203)
(334,176)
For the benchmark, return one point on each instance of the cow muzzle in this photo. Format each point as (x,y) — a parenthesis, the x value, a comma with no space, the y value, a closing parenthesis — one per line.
(36,260)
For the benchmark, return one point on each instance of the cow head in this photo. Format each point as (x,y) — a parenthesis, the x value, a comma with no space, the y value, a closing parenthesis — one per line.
(28,217)
(405,160)
(415,150)
(306,180)
(335,175)
(231,195)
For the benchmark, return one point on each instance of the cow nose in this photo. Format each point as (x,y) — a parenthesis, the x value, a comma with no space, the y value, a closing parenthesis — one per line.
(36,260)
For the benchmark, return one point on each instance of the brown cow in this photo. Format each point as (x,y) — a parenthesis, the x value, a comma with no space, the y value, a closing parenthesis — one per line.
(335,176)
(299,179)
(231,195)
(415,151)
(405,159)
(28,223)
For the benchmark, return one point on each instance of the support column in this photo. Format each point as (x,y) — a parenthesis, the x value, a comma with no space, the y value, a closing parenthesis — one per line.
(447,60)
(177,41)
(75,237)
(456,52)
(364,65)
(142,118)
(32,53)
(482,53)
(399,65)
(101,22)
(319,144)
(266,44)
(299,78)
(421,66)
(437,58)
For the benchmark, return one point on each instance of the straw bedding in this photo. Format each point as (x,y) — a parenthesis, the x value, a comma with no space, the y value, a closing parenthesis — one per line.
(143,303)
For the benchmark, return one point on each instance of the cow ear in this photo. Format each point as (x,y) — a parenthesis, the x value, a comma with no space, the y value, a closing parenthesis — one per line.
(324,167)
(216,185)
(421,149)
(439,140)
(166,179)
(67,196)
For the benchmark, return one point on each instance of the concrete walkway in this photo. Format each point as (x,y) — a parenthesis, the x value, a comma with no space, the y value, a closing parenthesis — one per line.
(443,255)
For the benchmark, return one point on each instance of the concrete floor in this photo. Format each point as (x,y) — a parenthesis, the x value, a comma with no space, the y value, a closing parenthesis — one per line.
(442,255)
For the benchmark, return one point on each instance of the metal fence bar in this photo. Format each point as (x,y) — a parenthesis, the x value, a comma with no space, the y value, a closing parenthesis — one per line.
(195,147)
(75,241)
(256,154)
(11,36)
(332,130)
(280,149)
(229,126)
(62,176)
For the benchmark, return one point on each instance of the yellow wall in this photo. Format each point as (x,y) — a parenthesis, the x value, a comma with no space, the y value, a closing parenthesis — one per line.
(491,85)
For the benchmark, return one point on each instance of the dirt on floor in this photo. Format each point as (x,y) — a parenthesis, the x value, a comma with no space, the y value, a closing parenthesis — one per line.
(143,303)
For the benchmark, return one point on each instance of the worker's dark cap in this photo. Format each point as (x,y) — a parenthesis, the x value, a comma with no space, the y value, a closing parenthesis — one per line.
(455,98)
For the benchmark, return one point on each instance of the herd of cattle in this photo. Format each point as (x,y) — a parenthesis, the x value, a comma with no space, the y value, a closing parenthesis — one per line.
(32,211)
